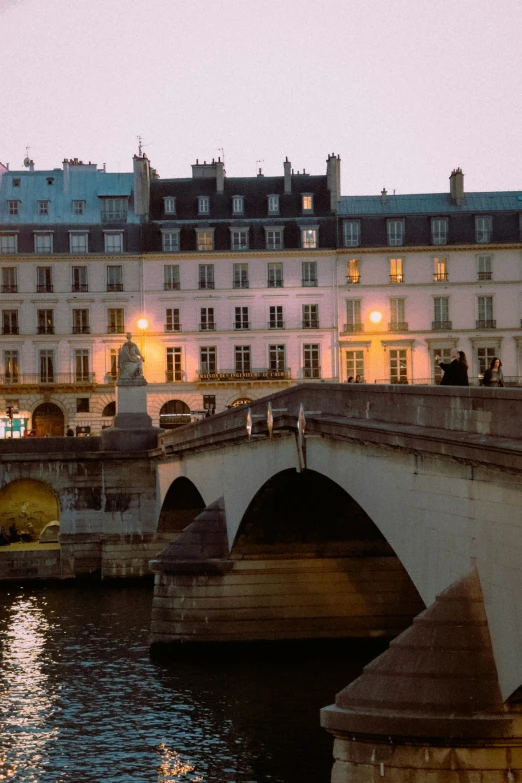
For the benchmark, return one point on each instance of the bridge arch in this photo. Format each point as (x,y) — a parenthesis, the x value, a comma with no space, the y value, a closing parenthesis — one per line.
(182,503)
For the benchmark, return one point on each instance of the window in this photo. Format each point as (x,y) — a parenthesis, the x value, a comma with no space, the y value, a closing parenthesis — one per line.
(395,230)
(273,204)
(44,279)
(171,277)
(444,352)
(352,272)
(78,207)
(483,229)
(241,318)
(484,264)
(310,316)
(206,276)
(115,278)
(439,231)
(113,241)
(485,313)
(206,319)
(115,323)
(310,238)
(82,403)
(239,238)
(238,205)
(275,275)
(277,358)
(14,207)
(396,275)
(242,358)
(81,374)
(440,269)
(353,316)
(205,240)
(309,273)
(43,243)
(114,210)
(397,318)
(45,320)
(43,207)
(170,240)
(351,233)
(169,205)
(209,402)
(240,276)
(46,366)
(8,244)
(9,285)
(398,366)
(484,356)
(354,364)
(79,279)
(81,321)
(275,315)
(441,313)
(9,321)
(78,242)
(113,363)
(203,205)
(173,369)
(274,238)
(11,366)
(172,323)
(311,367)
(307,202)
(208,358)
(16,182)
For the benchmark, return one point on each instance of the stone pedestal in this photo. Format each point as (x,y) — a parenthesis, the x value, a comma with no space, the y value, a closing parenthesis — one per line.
(132,429)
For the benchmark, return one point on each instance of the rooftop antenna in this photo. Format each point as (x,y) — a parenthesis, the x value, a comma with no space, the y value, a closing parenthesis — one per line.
(27,159)
(257,162)
(222,150)
(140,145)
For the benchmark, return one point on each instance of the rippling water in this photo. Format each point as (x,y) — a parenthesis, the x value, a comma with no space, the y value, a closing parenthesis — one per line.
(80,699)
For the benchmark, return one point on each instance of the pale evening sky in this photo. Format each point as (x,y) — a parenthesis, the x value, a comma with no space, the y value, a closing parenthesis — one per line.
(404,91)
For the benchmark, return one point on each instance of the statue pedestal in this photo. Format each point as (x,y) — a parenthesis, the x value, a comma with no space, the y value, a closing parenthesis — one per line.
(132,429)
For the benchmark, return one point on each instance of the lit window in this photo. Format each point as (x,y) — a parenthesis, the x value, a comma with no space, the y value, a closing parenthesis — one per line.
(307,203)
(309,238)
(78,242)
(273,205)
(439,231)
(169,205)
(239,238)
(203,205)
(43,207)
(78,207)
(113,242)
(483,229)
(170,240)
(396,274)
(351,233)
(238,205)
(8,244)
(440,269)
(205,240)
(352,271)
(395,229)
(43,243)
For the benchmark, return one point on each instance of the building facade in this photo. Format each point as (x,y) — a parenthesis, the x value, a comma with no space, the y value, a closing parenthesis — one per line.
(236,287)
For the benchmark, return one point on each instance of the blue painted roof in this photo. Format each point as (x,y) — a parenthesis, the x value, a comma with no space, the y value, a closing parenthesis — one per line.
(430,203)
(83,183)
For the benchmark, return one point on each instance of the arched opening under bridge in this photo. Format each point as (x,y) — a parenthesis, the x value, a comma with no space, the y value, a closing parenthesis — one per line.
(26,507)
(182,504)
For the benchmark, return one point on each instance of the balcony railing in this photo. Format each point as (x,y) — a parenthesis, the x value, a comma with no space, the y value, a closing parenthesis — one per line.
(114,216)
(37,379)
(398,326)
(10,330)
(45,288)
(79,287)
(440,277)
(173,327)
(441,325)
(311,372)
(241,325)
(253,375)
(396,278)
(484,275)
(173,377)
(174,286)
(115,329)
(353,279)
(353,328)
(309,283)
(206,284)
(487,324)
(274,245)
(9,289)
(274,283)
(81,329)
(276,324)
(207,327)
(240,284)
(310,323)
(47,329)
(114,287)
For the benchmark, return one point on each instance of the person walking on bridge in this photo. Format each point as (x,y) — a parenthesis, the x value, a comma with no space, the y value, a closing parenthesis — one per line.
(494,375)
(456,371)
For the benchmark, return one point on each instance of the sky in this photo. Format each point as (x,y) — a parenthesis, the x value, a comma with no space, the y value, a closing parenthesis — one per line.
(403,91)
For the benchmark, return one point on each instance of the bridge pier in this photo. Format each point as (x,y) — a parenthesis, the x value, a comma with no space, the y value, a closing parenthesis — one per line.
(429,709)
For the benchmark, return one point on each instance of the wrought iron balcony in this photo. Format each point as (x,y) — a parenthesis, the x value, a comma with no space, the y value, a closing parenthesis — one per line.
(9,289)
(309,283)
(240,284)
(398,326)
(440,277)
(354,327)
(241,325)
(311,372)
(42,379)
(176,376)
(81,329)
(203,284)
(441,325)
(353,279)
(487,324)
(173,327)
(276,323)
(274,283)
(174,286)
(396,278)
(79,288)
(207,327)
(45,329)
(114,287)
(484,275)
(253,375)
(310,323)
(114,216)
(45,288)
(10,330)
(115,329)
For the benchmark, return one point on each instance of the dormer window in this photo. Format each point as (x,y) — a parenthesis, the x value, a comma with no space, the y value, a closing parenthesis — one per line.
(273,205)
(43,207)
(203,205)
(78,207)
(483,229)
(395,231)
(50,180)
(307,203)
(14,207)
(238,205)
(169,205)
(16,182)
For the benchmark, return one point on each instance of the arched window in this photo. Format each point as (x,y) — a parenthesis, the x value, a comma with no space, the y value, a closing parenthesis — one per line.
(175,413)
(110,409)
(48,420)
(241,401)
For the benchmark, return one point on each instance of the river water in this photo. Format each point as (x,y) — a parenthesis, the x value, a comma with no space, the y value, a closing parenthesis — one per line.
(81,700)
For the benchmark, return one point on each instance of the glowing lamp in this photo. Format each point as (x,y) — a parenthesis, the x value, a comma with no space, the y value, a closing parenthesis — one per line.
(375,317)
(143,323)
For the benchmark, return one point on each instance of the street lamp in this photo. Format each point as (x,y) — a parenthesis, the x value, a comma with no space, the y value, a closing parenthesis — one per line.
(142,325)
(375,317)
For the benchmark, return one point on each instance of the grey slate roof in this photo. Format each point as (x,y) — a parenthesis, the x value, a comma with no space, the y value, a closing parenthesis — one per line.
(430,203)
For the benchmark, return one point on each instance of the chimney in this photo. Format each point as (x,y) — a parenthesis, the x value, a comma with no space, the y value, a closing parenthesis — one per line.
(288,178)
(457,187)
(384,196)
(66,176)
(220,176)
(333,179)
(141,185)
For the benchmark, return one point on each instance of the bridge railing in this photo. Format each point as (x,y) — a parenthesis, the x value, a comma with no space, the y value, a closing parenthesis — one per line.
(509,381)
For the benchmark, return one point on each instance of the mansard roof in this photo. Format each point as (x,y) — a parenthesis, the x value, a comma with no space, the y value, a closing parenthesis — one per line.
(430,203)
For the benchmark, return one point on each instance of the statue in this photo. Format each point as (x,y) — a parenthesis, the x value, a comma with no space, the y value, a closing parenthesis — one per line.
(130,360)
